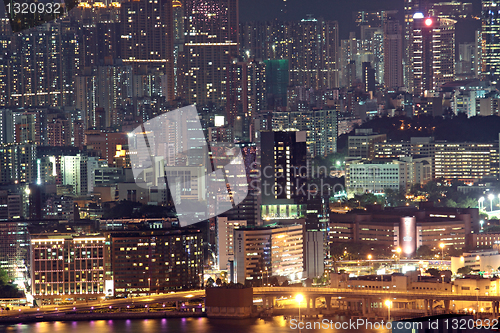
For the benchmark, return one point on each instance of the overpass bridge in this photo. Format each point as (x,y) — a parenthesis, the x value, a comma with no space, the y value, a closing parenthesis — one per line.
(361,300)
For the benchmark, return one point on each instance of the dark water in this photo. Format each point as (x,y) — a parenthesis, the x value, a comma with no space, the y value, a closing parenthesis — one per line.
(177,325)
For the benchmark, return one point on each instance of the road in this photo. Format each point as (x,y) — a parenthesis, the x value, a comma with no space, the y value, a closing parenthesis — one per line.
(119,302)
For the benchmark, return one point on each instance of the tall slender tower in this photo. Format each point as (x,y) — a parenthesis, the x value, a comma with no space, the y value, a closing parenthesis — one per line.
(410,8)
(211,41)
(432,53)
(491,39)
(393,52)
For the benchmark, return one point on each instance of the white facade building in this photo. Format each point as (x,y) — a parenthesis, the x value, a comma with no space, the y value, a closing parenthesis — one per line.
(375,177)
(268,251)
(225,240)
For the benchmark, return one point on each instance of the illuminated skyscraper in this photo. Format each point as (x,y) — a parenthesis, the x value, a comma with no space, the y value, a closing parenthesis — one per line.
(410,8)
(17,163)
(211,41)
(179,56)
(491,39)
(147,38)
(310,46)
(313,60)
(42,65)
(320,127)
(432,53)
(283,170)
(393,52)
(246,89)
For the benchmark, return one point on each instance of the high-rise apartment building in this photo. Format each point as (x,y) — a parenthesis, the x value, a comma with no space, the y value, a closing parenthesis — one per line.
(113,90)
(78,171)
(245,90)
(310,46)
(17,163)
(313,62)
(211,42)
(147,39)
(283,168)
(491,39)
(42,65)
(393,52)
(7,128)
(320,127)
(410,8)
(432,53)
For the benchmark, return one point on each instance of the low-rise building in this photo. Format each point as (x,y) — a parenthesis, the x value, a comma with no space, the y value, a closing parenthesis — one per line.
(274,250)
(486,260)
(377,176)
(408,228)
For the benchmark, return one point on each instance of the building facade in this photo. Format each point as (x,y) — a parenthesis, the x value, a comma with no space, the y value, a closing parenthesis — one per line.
(268,251)
(67,268)
(146,262)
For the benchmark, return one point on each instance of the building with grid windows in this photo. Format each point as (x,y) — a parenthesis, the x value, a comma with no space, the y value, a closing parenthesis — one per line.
(490,39)
(432,53)
(145,262)
(262,252)
(66,267)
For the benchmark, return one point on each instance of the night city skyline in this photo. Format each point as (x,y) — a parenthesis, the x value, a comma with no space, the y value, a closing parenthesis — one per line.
(222,165)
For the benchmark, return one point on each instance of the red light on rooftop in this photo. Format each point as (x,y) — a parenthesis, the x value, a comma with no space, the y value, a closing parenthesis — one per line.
(428,22)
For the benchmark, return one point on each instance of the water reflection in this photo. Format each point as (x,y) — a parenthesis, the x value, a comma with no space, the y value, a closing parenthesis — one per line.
(176,325)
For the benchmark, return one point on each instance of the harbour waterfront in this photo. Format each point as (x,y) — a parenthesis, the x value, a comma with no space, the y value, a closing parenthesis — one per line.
(181,325)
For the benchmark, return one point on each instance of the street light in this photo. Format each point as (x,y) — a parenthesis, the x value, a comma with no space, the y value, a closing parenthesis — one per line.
(490,197)
(388,303)
(299,298)
(442,251)
(149,285)
(398,250)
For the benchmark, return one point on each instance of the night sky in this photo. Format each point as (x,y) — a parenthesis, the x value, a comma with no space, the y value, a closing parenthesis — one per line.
(340,10)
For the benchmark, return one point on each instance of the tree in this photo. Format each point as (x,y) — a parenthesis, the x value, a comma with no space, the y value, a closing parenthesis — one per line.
(465,270)
(285,283)
(210,282)
(274,281)
(424,252)
(433,272)
(218,282)
(395,198)
(4,277)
